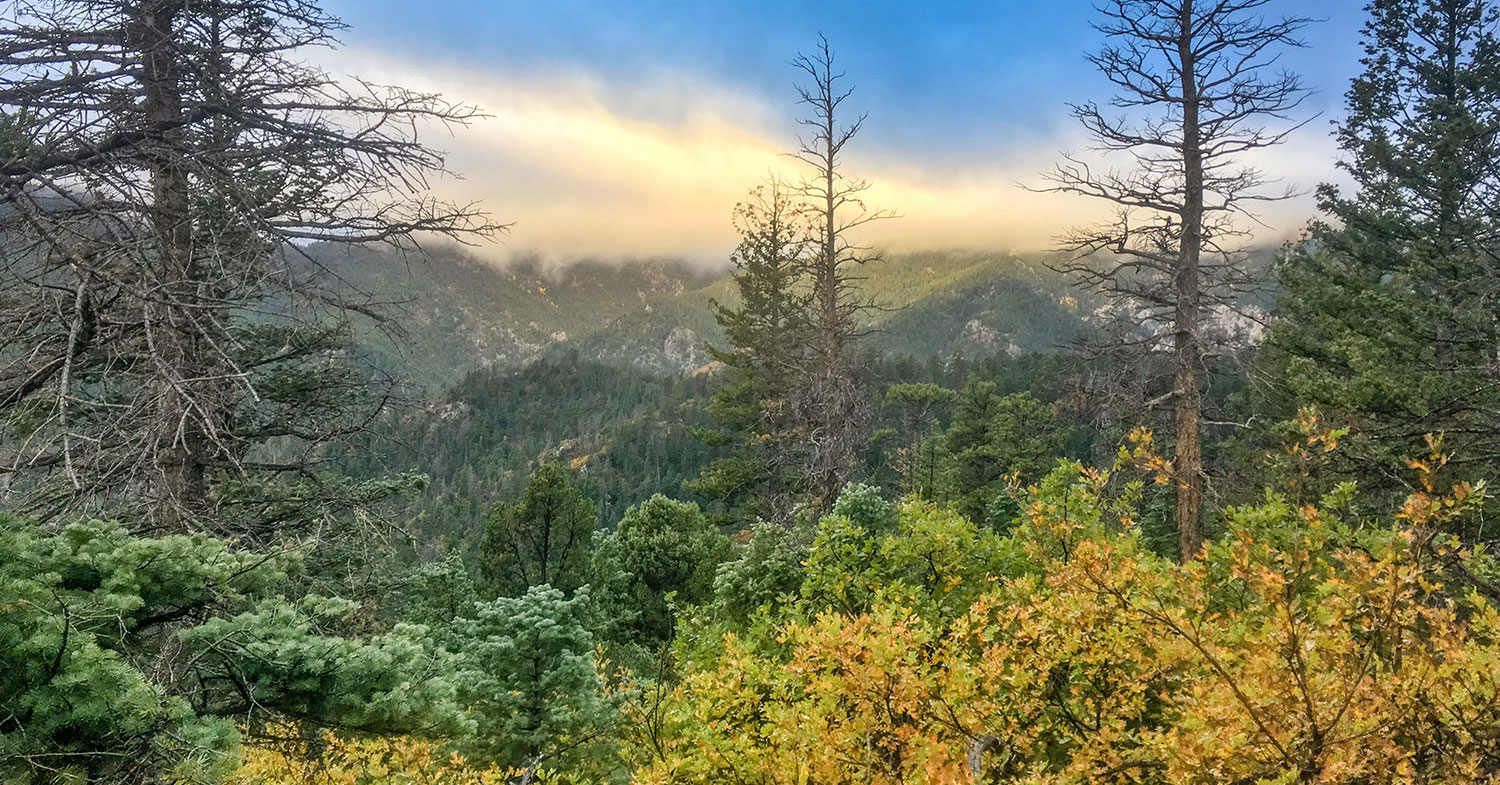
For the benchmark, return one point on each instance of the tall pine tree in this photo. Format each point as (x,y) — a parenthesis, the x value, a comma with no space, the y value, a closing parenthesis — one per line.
(1389,321)
(767,329)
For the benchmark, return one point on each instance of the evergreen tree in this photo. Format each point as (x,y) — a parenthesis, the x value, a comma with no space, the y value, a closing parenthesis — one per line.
(993,438)
(919,451)
(974,472)
(1388,321)
(531,684)
(544,539)
(667,553)
(94,626)
(767,330)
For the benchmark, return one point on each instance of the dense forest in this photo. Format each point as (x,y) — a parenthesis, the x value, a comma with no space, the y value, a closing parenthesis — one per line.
(296,487)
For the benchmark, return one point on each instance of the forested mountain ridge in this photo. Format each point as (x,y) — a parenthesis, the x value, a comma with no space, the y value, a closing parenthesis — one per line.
(455,312)
(840,516)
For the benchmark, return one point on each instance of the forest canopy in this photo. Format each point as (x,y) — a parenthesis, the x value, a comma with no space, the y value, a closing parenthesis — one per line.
(1161,506)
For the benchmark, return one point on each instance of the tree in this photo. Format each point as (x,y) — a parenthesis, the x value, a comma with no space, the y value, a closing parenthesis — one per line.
(768,330)
(89,615)
(1388,322)
(992,440)
(829,408)
(1194,97)
(530,680)
(919,451)
(1067,652)
(667,553)
(165,333)
(545,539)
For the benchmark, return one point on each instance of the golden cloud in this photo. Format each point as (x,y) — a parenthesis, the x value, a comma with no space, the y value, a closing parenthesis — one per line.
(579,176)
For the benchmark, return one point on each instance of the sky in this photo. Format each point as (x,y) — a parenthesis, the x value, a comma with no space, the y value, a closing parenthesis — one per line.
(623,129)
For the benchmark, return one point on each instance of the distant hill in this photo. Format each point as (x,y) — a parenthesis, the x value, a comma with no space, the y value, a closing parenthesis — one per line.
(455,313)
(625,432)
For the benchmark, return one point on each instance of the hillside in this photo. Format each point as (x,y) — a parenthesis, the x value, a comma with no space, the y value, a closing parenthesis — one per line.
(454,313)
(451,312)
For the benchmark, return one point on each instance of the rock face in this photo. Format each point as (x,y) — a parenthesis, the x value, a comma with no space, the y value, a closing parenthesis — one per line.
(683,350)
(980,333)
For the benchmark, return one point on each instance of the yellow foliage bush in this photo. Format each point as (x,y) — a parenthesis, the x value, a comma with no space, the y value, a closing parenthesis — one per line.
(357,761)
(1296,650)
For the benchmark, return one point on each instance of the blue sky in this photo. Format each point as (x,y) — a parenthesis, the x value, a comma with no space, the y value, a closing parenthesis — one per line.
(964,96)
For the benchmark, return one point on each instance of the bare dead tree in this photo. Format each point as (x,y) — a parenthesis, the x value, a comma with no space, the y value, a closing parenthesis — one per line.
(831,409)
(164,167)
(1198,88)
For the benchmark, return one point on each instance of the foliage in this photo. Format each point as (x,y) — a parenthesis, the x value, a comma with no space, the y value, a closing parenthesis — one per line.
(995,443)
(544,539)
(667,552)
(527,673)
(1387,323)
(93,622)
(768,574)
(1297,649)
(400,760)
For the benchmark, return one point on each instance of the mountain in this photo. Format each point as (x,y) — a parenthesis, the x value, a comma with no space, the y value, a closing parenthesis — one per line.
(453,312)
(450,312)
(624,431)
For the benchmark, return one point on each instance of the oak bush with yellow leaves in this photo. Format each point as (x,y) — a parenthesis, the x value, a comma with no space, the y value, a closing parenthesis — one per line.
(336,760)
(1300,648)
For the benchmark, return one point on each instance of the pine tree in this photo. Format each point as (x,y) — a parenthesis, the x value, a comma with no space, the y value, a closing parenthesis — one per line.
(767,330)
(531,683)
(919,450)
(667,552)
(1389,320)
(1196,92)
(544,539)
(831,411)
(993,438)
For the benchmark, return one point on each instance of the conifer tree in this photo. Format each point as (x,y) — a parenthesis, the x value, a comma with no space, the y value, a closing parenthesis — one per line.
(831,411)
(667,552)
(993,438)
(767,328)
(1389,320)
(543,539)
(919,451)
(531,683)
(1195,93)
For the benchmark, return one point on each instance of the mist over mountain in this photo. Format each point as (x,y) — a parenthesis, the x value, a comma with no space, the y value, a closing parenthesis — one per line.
(451,311)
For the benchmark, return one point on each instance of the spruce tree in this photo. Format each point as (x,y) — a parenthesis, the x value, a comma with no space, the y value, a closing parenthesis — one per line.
(767,328)
(1389,321)
(993,439)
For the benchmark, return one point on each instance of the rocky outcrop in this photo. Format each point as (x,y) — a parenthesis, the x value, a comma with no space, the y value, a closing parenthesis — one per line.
(683,350)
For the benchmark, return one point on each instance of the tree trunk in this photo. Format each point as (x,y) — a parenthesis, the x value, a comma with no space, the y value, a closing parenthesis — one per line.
(181,442)
(1187,463)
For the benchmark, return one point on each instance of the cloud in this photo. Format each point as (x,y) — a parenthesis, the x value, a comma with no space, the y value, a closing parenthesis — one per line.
(586,166)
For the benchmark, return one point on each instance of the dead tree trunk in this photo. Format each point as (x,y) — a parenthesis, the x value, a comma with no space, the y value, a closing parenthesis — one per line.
(1194,90)
(1187,462)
